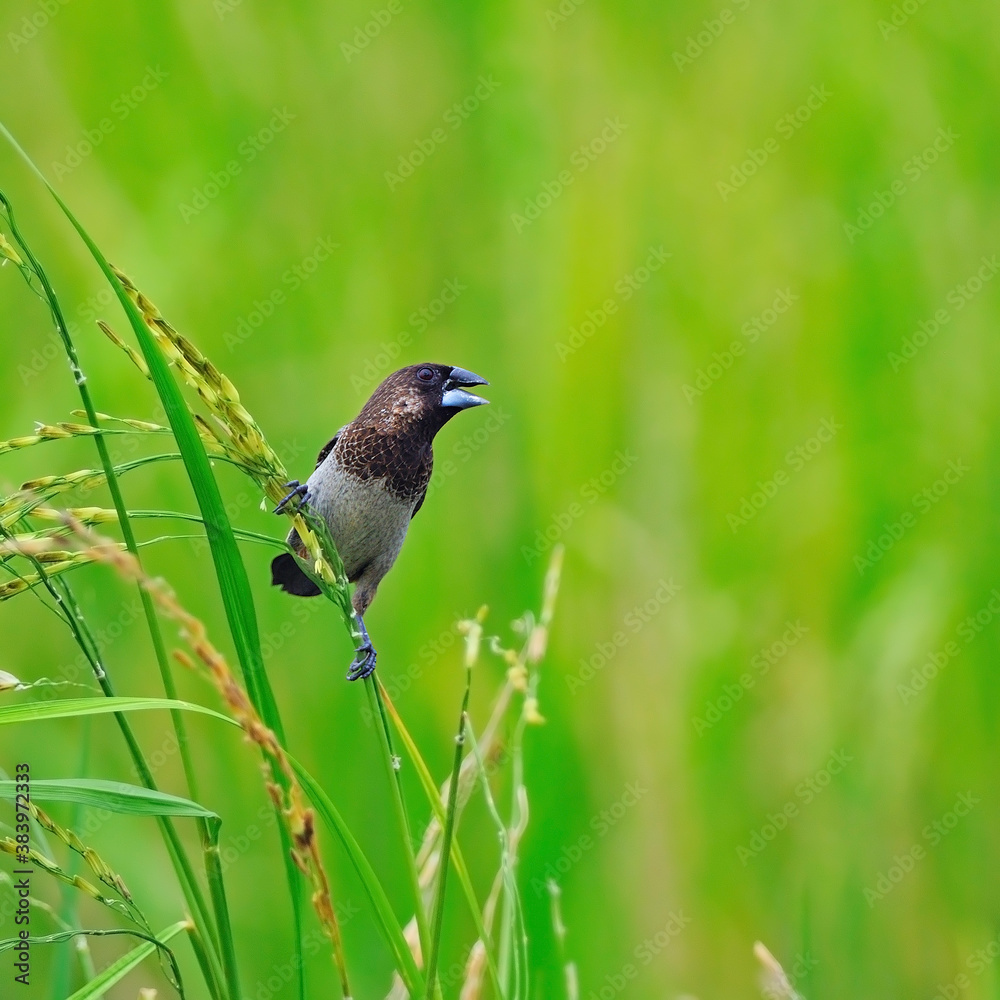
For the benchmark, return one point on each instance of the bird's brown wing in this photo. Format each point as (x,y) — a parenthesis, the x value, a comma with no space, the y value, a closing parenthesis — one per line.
(420,504)
(328,447)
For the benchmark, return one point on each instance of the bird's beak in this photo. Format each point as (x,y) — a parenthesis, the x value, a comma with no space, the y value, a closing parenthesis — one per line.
(455,396)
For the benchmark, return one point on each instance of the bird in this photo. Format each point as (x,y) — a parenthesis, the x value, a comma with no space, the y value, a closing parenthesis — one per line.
(370,480)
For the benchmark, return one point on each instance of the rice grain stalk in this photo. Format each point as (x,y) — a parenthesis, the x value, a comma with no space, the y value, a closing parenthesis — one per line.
(523,676)
(287,797)
(56,562)
(94,861)
(9,846)
(429,856)
(32,270)
(67,607)
(242,440)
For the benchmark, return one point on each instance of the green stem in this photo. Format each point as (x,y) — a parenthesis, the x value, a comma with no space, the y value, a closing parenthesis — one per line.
(217,888)
(63,972)
(392,771)
(449,832)
(512,918)
(208,971)
(189,883)
(434,799)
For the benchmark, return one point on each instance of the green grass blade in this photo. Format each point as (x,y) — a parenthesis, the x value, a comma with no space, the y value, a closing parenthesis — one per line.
(388,924)
(449,833)
(234,584)
(33,711)
(396,786)
(457,859)
(233,581)
(182,866)
(209,831)
(118,970)
(115,796)
(63,965)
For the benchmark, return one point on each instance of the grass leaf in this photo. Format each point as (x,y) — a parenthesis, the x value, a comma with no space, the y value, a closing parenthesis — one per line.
(388,924)
(33,711)
(118,970)
(116,796)
(234,584)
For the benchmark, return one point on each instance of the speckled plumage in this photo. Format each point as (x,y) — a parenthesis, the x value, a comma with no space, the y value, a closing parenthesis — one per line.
(372,476)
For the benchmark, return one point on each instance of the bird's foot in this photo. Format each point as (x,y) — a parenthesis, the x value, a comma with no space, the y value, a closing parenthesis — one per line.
(363,664)
(299,490)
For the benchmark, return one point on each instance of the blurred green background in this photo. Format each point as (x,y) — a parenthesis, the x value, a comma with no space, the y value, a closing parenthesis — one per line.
(724,268)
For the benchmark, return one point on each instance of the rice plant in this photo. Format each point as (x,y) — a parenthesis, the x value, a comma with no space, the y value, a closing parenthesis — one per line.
(47,536)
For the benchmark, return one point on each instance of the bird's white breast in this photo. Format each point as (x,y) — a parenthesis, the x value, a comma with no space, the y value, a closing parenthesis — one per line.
(367,522)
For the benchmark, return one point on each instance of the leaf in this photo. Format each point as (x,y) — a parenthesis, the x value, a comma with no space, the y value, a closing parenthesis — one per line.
(233,581)
(457,859)
(34,711)
(388,924)
(117,971)
(115,796)
(234,585)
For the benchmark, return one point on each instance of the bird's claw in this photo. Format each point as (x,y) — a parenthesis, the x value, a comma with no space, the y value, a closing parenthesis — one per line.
(363,665)
(298,490)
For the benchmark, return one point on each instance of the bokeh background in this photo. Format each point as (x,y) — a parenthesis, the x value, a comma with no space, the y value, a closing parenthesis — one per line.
(754,715)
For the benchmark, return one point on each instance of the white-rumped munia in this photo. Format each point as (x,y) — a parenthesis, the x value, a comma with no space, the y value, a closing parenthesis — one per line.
(371,478)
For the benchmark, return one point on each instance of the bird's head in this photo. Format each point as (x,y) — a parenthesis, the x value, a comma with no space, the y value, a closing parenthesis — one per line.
(422,396)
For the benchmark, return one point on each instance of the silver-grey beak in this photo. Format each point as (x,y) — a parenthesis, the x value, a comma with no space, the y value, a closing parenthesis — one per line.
(455,396)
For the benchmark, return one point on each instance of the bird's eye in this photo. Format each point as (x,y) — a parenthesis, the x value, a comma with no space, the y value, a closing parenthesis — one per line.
(426,374)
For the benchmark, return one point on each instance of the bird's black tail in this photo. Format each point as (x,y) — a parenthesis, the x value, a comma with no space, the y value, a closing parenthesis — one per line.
(287,574)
